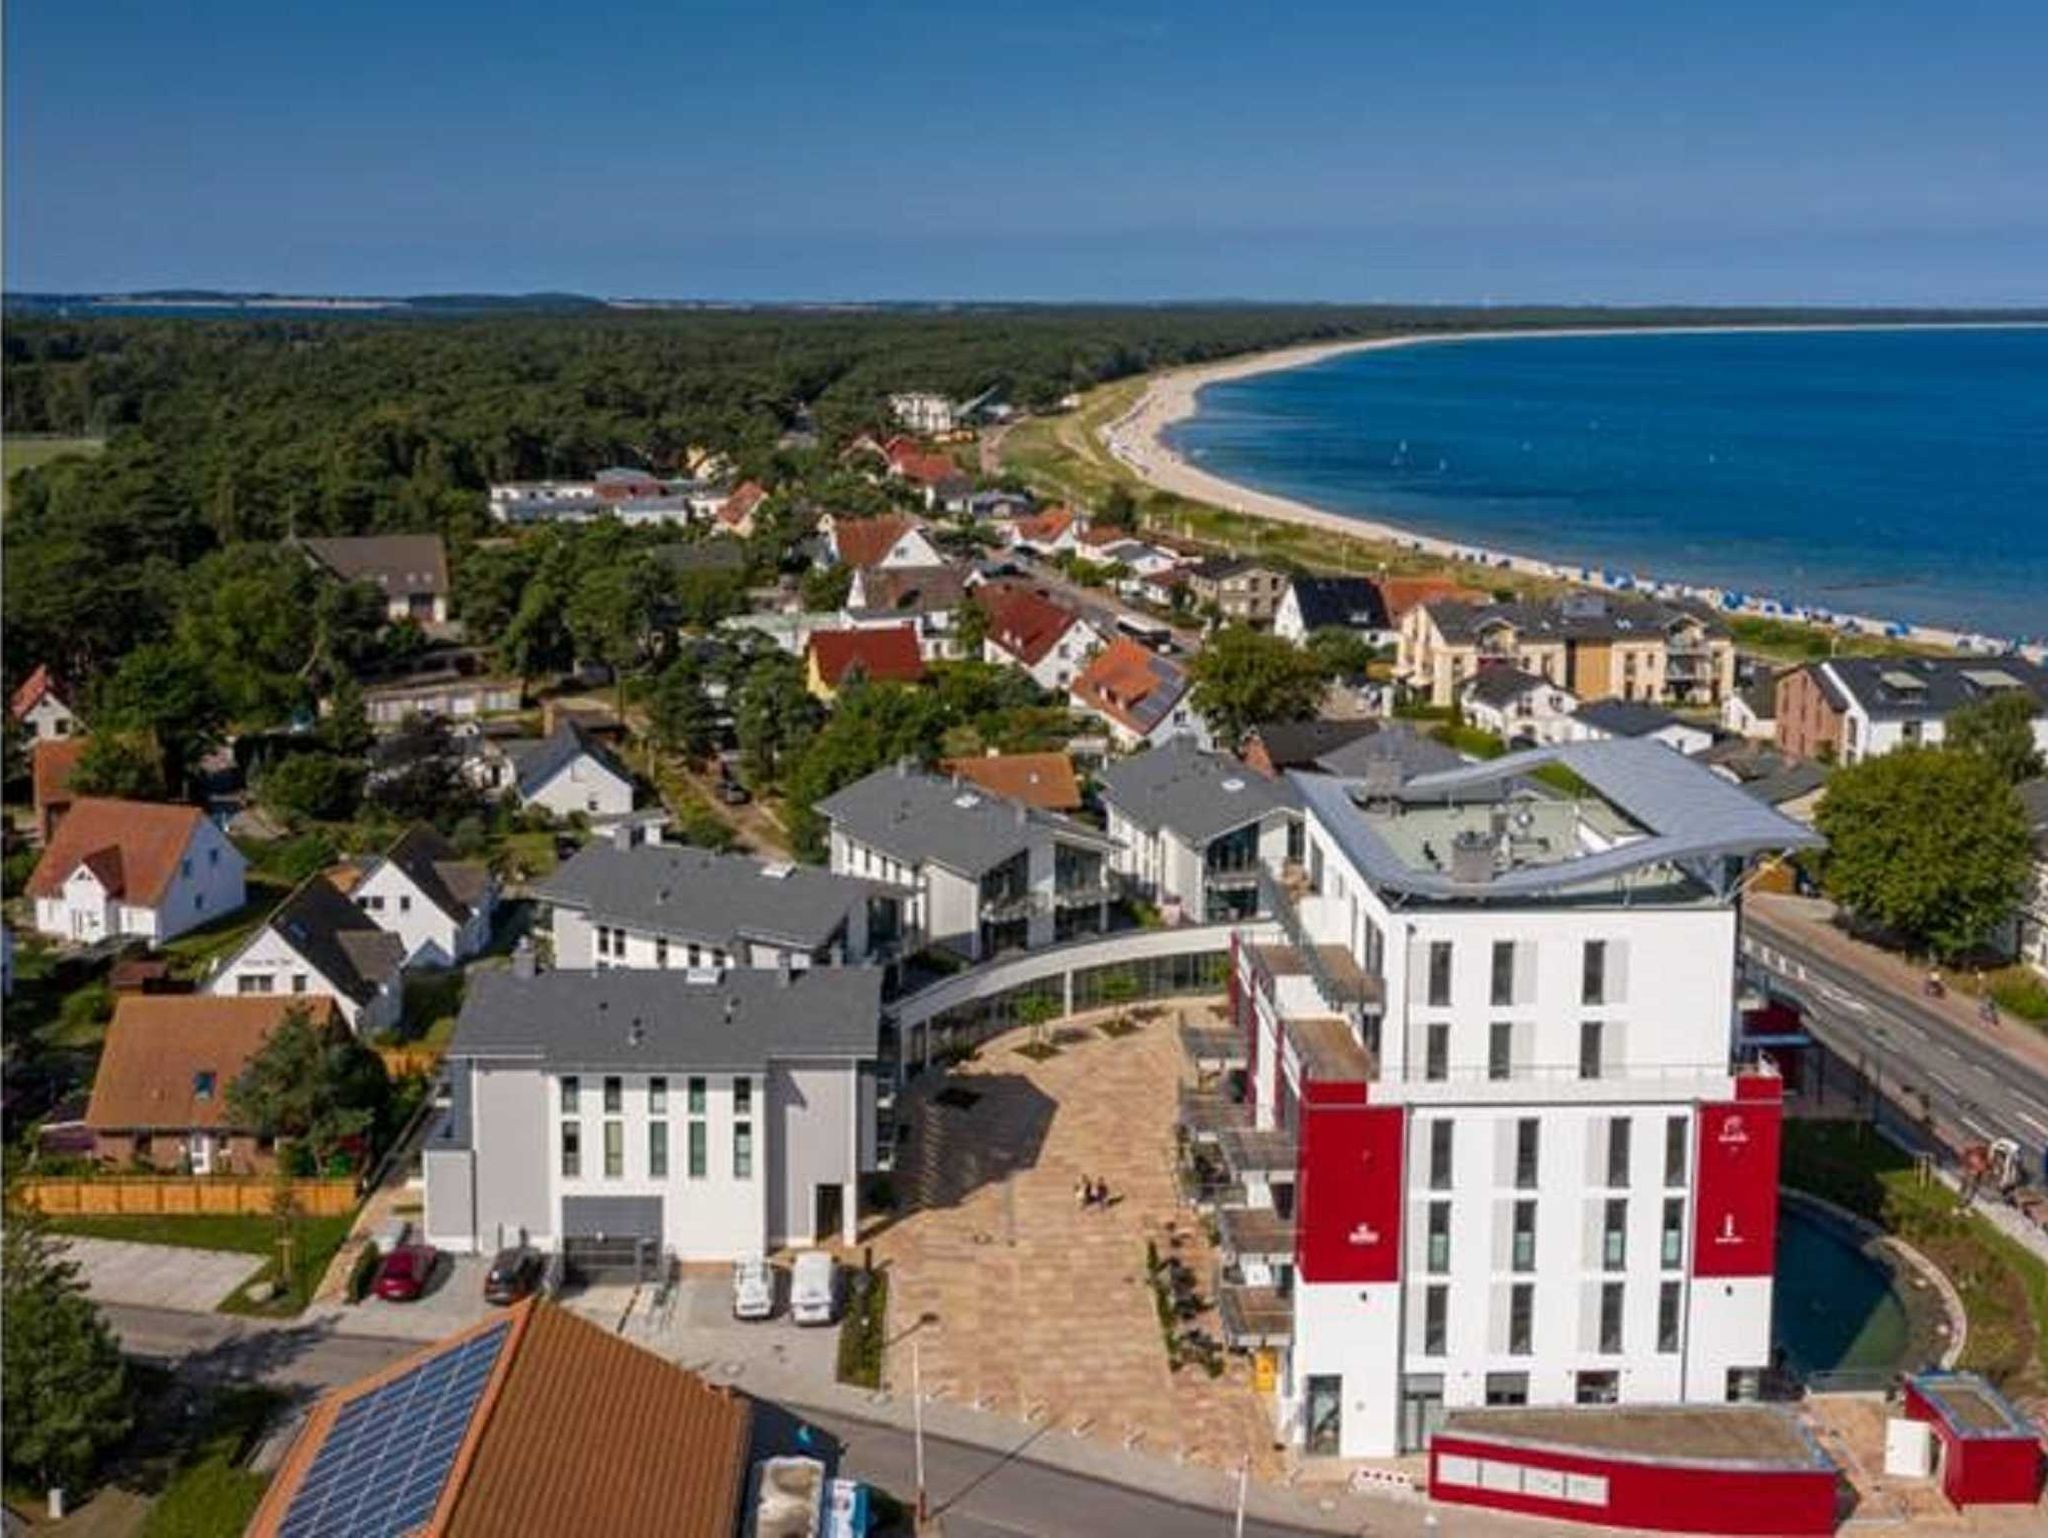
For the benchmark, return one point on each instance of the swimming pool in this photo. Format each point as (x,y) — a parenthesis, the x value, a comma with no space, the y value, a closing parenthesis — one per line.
(1836,1308)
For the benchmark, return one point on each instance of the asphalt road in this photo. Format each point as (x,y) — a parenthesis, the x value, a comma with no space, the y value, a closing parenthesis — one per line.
(1974,1089)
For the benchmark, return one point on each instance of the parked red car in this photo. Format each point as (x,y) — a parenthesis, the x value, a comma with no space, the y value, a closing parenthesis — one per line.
(404,1273)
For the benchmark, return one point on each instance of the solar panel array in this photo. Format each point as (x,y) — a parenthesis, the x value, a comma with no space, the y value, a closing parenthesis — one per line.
(380,1471)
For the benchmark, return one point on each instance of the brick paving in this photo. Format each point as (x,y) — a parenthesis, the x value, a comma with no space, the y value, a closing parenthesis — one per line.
(1042,1308)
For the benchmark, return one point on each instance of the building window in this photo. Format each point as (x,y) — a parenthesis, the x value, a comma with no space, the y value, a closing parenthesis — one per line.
(1437,1053)
(185,868)
(1436,1307)
(1590,1032)
(256,982)
(572,1149)
(698,1159)
(1674,1151)
(657,1096)
(1527,1142)
(1671,1250)
(1667,1317)
(657,1149)
(1522,1254)
(614,1095)
(742,1097)
(1506,1389)
(743,1150)
(1614,1236)
(1438,1259)
(572,1089)
(661,950)
(1611,1296)
(1440,1133)
(1593,973)
(1617,1151)
(404,903)
(1503,991)
(1439,972)
(614,1149)
(1500,1049)
(696,1097)
(1596,1387)
(1745,1384)
(1521,1318)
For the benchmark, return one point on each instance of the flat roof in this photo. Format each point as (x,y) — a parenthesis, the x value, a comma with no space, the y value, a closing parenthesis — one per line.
(1971,1406)
(1328,1050)
(1734,1436)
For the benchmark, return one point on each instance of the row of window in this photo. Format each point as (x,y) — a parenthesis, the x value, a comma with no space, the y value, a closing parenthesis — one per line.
(1522,1236)
(696,1128)
(185,865)
(1529,1150)
(611,945)
(1598,1054)
(1599,976)
(266,982)
(1436,1312)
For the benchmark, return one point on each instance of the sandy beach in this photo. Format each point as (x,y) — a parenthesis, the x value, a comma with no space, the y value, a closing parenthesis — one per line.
(1137,439)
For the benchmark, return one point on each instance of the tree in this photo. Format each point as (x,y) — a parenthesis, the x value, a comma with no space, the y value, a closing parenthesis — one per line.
(314,1084)
(773,715)
(419,774)
(1930,845)
(312,787)
(610,614)
(680,712)
(166,691)
(970,627)
(125,764)
(2000,730)
(1037,1011)
(65,1385)
(1119,509)
(1340,653)
(345,729)
(1243,676)
(827,587)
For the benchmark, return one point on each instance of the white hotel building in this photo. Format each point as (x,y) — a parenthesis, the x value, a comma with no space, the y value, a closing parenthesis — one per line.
(1492,1146)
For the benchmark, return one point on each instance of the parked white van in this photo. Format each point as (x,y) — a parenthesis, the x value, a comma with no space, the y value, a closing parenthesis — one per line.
(814,1288)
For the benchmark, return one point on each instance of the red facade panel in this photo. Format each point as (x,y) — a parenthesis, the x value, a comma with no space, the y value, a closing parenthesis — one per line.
(1348,1196)
(1735,1201)
(1644,1497)
(1980,1470)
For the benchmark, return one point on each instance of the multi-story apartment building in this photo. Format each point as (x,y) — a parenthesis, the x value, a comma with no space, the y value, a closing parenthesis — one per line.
(622,1117)
(1848,709)
(1494,1148)
(1197,830)
(1597,645)
(1240,590)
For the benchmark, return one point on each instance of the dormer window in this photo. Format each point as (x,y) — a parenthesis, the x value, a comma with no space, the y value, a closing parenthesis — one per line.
(202,1084)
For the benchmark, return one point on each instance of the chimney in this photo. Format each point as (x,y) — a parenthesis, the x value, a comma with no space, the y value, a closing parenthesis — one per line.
(1382,779)
(1471,858)
(1023,815)
(625,835)
(525,961)
(784,972)
(902,768)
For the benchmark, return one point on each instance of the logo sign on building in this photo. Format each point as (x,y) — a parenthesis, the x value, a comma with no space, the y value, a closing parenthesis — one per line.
(1348,1210)
(1735,1200)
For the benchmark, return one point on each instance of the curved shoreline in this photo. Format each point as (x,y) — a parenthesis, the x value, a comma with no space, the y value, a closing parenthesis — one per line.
(1136,440)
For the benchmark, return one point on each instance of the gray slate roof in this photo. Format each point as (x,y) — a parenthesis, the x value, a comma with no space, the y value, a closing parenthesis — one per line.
(449,882)
(1626,718)
(1198,795)
(631,1019)
(400,564)
(1398,740)
(1298,744)
(1498,684)
(1576,616)
(1909,688)
(540,760)
(340,941)
(699,895)
(917,817)
(1350,603)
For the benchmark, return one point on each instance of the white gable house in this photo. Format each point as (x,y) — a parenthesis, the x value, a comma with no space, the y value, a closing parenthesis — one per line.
(319,943)
(439,905)
(139,869)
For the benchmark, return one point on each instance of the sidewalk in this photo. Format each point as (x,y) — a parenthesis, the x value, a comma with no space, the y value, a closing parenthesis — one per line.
(1810,920)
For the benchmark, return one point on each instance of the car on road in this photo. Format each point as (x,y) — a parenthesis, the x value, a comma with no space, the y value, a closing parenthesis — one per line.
(753,1287)
(515,1273)
(814,1288)
(403,1275)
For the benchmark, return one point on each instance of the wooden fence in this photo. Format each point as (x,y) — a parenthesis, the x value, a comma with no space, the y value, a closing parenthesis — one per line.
(182,1196)
(400,1061)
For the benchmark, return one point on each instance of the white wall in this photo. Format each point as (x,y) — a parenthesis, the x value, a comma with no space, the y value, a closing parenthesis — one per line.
(206,885)
(273,966)
(389,897)
(585,786)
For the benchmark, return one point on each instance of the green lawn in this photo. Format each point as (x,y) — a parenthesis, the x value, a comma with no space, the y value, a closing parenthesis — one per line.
(191,952)
(26,453)
(208,1491)
(527,856)
(2004,1286)
(315,1241)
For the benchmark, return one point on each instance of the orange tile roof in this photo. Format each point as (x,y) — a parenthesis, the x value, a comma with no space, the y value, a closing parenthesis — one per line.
(1400,594)
(1044,780)
(929,469)
(1045,527)
(149,837)
(33,688)
(1131,684)
(1026,624)
(159,1044)
(867,541)
(53,761)
(739,507)
(577,1431)
(887,653)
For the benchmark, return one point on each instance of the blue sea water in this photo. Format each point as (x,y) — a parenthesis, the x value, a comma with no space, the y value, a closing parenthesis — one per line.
(1902,474)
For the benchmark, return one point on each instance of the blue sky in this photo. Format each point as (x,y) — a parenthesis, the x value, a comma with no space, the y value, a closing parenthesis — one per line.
(1460,150)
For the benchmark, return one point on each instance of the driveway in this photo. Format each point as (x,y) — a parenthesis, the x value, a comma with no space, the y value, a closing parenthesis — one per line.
(698,1329)
(454,1301)
(160,1275)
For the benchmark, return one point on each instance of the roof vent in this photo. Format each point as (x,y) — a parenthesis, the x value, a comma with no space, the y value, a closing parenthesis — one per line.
(1233,785)
(777,870)
(967,801)
(1471,858)
(636,1033)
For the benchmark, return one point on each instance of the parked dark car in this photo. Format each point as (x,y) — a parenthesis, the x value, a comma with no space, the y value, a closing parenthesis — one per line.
(514,1274)
(405,1272)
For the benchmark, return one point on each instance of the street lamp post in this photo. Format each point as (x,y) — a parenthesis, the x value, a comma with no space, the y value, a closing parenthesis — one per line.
(917,1431)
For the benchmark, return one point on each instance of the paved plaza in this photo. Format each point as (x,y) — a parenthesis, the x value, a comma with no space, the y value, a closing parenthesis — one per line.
(1040,1308)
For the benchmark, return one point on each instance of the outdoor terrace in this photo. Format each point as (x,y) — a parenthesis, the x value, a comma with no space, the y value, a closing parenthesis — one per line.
(1205,1114)
(1757,1436)
(1257,1233)
(1328,1051)
(1212,1048)
(1254,1316)
(1268,1151)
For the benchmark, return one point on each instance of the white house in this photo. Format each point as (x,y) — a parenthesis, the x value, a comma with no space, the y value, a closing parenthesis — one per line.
(1604,720)
(1752,711)
(437,903)
(868,543)
(138,869)
(1518,707)
(410,570)
(2031,926)
(923,411)
(571,772)
(39,705)
(1139,695)
(1197,831)
(1027,630)
(1340,603)
(320,943)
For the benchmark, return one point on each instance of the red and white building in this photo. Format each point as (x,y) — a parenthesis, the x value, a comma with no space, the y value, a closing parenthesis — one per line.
(1494,1148)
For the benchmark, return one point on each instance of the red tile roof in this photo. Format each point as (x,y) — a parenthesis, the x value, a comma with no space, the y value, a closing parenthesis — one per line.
(33,688)
(170,1057)
(739,507)
(867,541)
(929,469)
(1043,528)
(1400,594)
(54,760)
(887,653)
(576,1431)
(1027,625)
(1044,780)
(146,837)
(1124,679)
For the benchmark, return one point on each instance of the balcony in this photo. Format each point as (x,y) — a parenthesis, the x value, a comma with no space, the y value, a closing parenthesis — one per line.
(1213,1048)
(1003,906)
(1327,1051)
(1086,892)
(1343,984)
(1253,1316)
(1255,1233)
(1206,1114)
(1268,1152)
